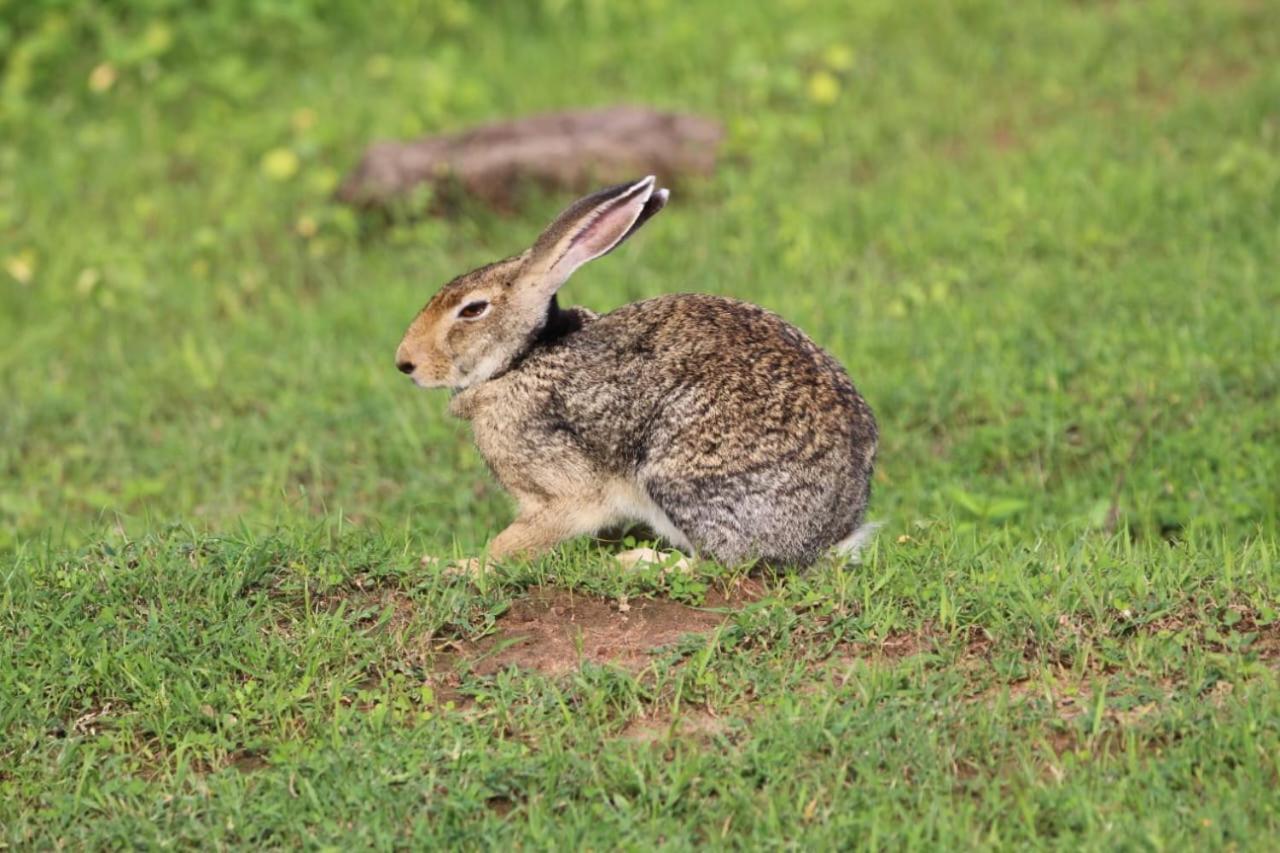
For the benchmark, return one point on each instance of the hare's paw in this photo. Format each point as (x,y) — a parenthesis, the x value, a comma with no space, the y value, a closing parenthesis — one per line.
(643,557)
(466,567)
(471,567)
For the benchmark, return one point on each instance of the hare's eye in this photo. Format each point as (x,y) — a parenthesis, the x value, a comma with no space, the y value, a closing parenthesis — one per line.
(472,310)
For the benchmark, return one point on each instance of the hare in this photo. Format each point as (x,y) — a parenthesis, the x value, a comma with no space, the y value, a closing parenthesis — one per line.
(717,423)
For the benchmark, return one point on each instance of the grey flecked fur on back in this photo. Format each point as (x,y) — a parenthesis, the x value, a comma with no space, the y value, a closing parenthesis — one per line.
(716,421)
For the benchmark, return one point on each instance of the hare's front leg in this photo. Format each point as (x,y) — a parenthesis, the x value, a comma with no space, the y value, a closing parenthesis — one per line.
(539,528)
(527,537)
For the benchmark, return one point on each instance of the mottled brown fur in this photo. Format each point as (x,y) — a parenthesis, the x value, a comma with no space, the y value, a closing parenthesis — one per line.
(714,421)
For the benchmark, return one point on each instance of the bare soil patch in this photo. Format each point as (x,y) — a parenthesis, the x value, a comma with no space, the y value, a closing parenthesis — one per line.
(555,631)
(1264,636)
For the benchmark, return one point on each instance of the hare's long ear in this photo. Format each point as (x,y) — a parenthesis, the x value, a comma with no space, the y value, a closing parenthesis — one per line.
(590,227)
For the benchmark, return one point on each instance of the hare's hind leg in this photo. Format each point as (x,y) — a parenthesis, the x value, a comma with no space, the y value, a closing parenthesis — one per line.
(748,516)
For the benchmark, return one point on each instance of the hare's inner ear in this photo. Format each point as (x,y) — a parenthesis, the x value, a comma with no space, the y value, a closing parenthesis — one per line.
(591,227)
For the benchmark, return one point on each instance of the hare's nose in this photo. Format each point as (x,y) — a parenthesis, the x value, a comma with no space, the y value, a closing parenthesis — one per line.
(404,366)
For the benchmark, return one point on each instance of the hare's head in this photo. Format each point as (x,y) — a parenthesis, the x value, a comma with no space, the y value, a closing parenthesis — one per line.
(479,323)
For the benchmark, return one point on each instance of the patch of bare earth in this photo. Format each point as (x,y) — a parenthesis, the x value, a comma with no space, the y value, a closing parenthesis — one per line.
(1263,636)
(555,631)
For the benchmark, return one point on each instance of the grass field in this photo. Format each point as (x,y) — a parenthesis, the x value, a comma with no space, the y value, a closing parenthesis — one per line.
(1044,237)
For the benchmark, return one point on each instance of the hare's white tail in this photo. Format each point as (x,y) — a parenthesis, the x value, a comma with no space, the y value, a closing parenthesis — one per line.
(851,546)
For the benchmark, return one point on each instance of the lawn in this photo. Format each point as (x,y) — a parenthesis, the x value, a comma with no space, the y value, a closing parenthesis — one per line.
(1042,236)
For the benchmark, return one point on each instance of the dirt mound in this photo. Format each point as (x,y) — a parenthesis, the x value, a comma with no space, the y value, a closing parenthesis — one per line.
(572,151)
(554,631)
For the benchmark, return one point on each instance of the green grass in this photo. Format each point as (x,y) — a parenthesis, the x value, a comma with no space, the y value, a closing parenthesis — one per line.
(1043,237)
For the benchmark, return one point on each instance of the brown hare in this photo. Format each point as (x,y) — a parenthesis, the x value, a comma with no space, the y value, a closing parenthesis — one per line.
(715,422)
